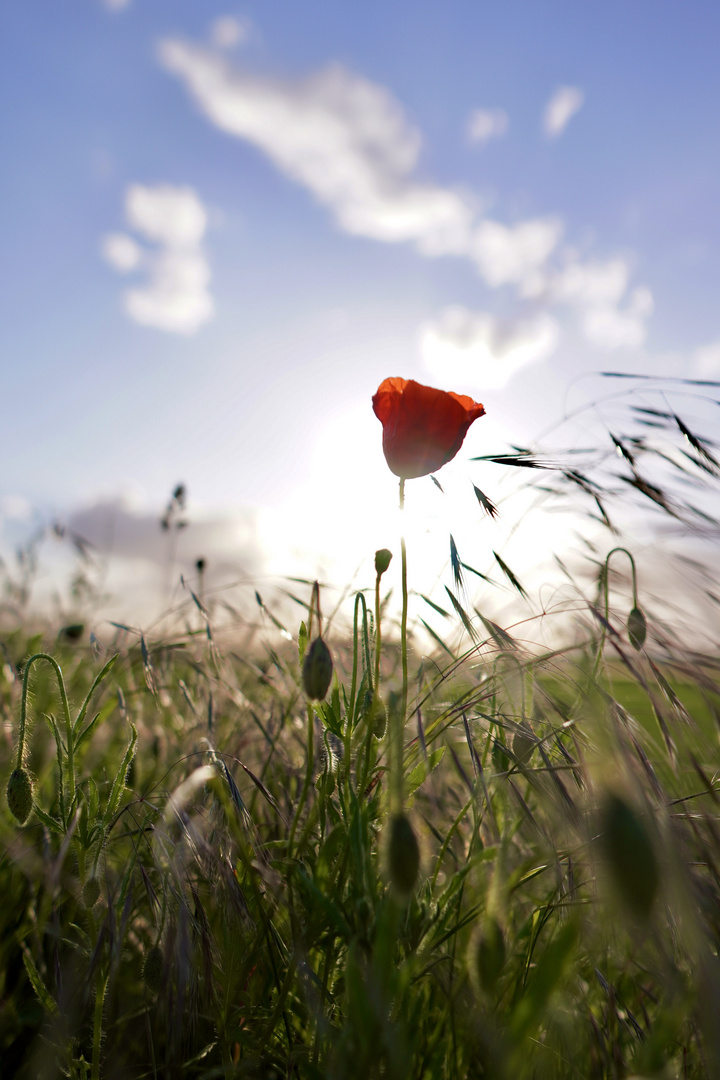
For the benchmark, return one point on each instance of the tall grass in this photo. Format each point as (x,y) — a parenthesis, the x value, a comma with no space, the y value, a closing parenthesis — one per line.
(213,880)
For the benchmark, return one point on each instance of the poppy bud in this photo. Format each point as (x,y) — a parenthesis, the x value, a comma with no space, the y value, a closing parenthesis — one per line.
(152,969)
(403,855)
(487,955)
(91,892)
(636,628)
(629,855)
(317,670)
(383,558)
(379,717)
(20,795)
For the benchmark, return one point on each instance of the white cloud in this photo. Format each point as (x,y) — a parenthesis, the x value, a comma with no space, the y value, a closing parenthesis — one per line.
(707,361)
(226,32)
(349,143)
(167,215)
(176,297)
(486,124)
(597,291)
(514,253)
(15,508)
(560,109)
(121,252)
(610,327)
(465,346)
(114,526)
(116,5)
(590,283)
(342,137)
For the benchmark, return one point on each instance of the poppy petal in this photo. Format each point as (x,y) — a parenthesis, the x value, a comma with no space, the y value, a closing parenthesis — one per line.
(423,428)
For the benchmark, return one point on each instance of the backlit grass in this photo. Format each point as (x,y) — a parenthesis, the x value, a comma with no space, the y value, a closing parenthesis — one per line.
(214,880)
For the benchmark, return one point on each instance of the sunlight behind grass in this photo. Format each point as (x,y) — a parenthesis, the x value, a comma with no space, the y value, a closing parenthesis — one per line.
(228,849)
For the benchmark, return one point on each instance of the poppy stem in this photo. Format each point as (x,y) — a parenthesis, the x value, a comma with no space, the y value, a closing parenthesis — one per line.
(397,777)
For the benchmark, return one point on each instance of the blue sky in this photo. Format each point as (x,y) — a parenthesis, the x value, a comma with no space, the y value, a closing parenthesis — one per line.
(224,225)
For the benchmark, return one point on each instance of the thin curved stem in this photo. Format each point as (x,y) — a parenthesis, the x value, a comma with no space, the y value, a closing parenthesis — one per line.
(66,714)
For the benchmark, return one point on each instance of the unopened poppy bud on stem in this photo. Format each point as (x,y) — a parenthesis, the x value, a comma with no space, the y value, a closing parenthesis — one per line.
(487,955)
(403,856)
(383,558)
(637,628)
(20,795)
(629,855)
(317,670)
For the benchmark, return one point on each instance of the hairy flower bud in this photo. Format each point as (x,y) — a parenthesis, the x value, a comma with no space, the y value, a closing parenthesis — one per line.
(379,717)
(20,795)
(317,670)
(486,956)
(629,855)
(403,855)
(91,892)
(383,558)
(637,628)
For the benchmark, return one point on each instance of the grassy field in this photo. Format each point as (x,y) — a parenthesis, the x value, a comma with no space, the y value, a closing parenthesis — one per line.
(217,861)
(217,885)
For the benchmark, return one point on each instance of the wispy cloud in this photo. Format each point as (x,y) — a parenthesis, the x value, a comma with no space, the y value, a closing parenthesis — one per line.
(115,528)
(116,5)
(560,109)
(611,327)
(176,296)
(342,137)
(349,143)
(476,347)
(609,314)
(122,252)
(706,361)
(514,254)
(226,32)
(15,508)
(486,124)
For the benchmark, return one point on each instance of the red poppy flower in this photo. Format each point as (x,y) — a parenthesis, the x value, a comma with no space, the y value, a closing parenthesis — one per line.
(423,428)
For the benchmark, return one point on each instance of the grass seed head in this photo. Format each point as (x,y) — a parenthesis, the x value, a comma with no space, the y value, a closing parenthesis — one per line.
(20,795)
(403,855)
(317,670)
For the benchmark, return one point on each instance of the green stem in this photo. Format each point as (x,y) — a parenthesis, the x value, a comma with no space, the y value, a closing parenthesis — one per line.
(398,721)
(100,990)
(359,599)
(66,712)
(378,636)
(403,624)
(606,589)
